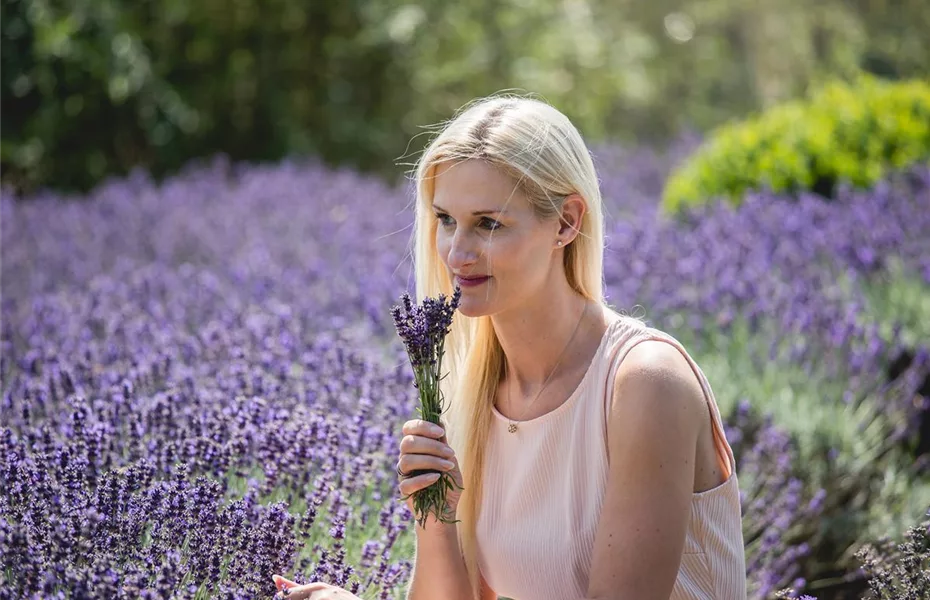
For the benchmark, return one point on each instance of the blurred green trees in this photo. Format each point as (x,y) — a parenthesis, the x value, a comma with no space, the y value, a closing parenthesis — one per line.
(95,87)
(842,133)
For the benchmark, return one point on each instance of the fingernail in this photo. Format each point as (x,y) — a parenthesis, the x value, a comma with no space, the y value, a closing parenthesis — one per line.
(437,430)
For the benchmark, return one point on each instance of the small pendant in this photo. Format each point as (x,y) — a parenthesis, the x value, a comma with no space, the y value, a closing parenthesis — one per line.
(512,428)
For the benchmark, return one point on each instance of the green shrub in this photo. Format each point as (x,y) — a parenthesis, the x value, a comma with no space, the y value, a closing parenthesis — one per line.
(842,132)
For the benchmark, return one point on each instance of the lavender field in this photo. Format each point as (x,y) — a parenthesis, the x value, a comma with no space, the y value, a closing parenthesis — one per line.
(201,384)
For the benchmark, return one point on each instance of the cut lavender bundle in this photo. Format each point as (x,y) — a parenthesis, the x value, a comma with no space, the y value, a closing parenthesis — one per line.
(423,328)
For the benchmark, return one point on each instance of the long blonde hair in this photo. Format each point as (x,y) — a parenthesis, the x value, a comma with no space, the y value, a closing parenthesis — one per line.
(544,154)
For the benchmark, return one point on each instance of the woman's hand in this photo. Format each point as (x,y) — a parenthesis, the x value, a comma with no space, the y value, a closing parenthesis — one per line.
(424,454)
(311,591)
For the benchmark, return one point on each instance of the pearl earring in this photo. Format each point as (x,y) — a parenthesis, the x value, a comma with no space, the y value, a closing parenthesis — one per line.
(560,242)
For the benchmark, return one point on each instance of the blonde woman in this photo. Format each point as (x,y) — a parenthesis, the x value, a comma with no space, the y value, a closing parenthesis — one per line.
(590,446)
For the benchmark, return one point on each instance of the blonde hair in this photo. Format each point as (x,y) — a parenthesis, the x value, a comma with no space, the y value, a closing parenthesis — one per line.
(544,154)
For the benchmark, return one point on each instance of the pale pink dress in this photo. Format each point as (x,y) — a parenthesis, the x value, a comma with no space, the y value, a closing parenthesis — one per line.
(544,486)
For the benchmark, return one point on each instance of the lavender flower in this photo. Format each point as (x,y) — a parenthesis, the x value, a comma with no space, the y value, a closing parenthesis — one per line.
(902,571)
(423,329)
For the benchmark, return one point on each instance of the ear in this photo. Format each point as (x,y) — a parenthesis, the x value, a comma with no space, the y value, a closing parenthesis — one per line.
(573,209)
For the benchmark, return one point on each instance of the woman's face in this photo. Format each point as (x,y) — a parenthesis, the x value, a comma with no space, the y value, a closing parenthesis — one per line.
(506,243)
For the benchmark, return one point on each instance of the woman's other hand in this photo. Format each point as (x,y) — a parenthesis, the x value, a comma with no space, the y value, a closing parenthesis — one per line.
(311,591)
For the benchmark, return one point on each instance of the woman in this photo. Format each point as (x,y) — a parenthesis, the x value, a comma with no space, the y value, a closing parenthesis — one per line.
(593,459)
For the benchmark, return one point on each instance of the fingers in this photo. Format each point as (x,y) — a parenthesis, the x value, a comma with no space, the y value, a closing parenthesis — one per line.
(415,444)
(421,450)
(294,591)
(300,592)
(424,455)
(411,485)
(419,455)
(304,592)
(414,464)
(423,428)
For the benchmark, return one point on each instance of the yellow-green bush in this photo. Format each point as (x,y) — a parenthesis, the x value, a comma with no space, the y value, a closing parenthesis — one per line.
(841,132)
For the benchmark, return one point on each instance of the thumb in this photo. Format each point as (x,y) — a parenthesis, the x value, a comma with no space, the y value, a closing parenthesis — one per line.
(281,582)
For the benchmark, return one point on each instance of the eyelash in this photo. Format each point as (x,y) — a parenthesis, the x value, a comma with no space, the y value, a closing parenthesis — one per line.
(496,226)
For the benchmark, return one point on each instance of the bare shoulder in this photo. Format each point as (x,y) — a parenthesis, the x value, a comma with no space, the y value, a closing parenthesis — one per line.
(657,370)
(655,389)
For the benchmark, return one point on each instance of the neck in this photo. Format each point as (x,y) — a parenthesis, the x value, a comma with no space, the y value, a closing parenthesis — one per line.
(533,337)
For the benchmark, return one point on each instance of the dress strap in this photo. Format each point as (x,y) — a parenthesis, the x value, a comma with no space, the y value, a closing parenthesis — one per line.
(637,333)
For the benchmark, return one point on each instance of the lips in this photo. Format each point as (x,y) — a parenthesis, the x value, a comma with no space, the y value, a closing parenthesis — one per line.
(471,281)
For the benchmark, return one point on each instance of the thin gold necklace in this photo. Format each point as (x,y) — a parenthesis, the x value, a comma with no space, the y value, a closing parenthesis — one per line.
(512,428)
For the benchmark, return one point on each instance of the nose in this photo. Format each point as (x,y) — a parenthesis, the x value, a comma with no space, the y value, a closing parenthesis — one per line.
(463,251)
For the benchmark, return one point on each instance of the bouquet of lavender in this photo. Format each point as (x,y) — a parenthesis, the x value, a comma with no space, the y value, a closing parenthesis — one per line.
(423,329)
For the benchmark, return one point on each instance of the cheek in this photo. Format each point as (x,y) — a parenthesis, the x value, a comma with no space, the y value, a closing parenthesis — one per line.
(528,261)
(500,254)
(443,244)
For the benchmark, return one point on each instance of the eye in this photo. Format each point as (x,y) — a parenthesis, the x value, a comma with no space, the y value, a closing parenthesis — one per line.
(487,223)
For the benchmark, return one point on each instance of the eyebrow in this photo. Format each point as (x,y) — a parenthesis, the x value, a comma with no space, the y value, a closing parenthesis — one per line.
(475,213)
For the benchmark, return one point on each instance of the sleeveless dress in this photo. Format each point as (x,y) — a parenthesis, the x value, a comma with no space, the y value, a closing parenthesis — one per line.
(544,487)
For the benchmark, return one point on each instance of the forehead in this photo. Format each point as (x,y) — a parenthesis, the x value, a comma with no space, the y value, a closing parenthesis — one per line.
(472,184)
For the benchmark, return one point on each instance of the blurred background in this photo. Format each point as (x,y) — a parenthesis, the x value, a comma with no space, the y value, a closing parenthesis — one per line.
(94,88)
(185,185)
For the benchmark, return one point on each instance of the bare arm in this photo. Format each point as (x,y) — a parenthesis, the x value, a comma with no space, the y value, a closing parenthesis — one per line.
(656,414)
(439,569)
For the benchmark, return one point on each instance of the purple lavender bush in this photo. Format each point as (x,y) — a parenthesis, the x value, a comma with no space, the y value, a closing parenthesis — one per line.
(176,421)
(201,385)
(899,571)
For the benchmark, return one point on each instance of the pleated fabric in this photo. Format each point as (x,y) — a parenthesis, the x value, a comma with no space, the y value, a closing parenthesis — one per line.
(544,487)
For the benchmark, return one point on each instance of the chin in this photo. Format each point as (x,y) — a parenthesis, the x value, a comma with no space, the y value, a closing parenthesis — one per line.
(473,308)
(471,311)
